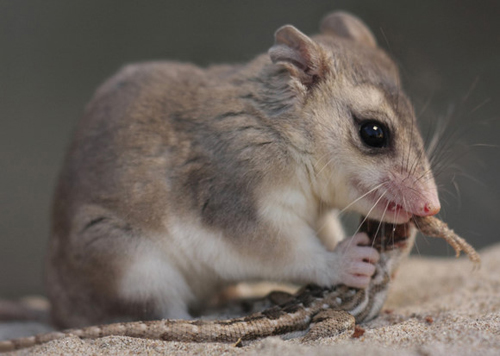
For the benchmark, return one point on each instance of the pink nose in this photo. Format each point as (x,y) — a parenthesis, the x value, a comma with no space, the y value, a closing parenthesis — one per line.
(428,209)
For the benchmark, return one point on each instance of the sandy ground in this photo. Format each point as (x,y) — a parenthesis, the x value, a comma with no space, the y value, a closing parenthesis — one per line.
(436,307)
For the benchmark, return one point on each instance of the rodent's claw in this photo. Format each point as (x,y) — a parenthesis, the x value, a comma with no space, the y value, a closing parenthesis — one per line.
(358,261)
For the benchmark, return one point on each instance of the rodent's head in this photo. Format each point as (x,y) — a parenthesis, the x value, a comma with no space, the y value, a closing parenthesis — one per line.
(367,152)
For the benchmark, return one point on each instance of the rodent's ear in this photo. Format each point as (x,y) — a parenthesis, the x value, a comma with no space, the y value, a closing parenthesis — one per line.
(302,56)
(348,26)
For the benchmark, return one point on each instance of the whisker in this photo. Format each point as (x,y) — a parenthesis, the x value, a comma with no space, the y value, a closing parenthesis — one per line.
(381,220)
(474,179)
(446,134)
(411,144)
(457,189)
(424,237)
(364,195)
(415,164)
(445,200)
(439,145)
(426,105)
(450,161)
(369,211)
(354,202)
(327,163)
(386,41)
(486,101)
(418,227)
(471,89)
(484,145)
(406,209)
(416,247)
(405,204)
(319,159)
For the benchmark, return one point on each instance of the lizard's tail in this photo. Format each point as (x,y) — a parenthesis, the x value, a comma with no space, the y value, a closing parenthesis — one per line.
(24,342)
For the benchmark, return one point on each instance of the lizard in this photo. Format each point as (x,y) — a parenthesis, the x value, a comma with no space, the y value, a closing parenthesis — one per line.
(311,313)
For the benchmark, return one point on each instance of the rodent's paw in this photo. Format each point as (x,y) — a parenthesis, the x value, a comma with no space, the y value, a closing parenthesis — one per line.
(358,261)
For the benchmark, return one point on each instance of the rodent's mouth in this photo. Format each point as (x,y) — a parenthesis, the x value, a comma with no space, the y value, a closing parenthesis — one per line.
(396,201)
(381,208)
(390,210)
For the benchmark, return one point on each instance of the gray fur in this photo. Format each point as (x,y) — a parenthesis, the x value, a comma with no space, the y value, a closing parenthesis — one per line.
(162,141)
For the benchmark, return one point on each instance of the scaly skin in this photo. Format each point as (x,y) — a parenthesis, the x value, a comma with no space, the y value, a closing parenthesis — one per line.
(312,312)
(433,227)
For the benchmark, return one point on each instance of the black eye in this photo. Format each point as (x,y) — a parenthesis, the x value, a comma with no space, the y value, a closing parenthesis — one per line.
(374,134)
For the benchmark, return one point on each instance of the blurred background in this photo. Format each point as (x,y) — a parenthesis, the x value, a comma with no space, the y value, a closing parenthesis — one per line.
(54,53)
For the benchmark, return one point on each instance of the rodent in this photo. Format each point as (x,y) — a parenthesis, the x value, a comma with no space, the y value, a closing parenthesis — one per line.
(182,180)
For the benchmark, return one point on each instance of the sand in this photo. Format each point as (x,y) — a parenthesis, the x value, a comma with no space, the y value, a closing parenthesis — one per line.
(437,306)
